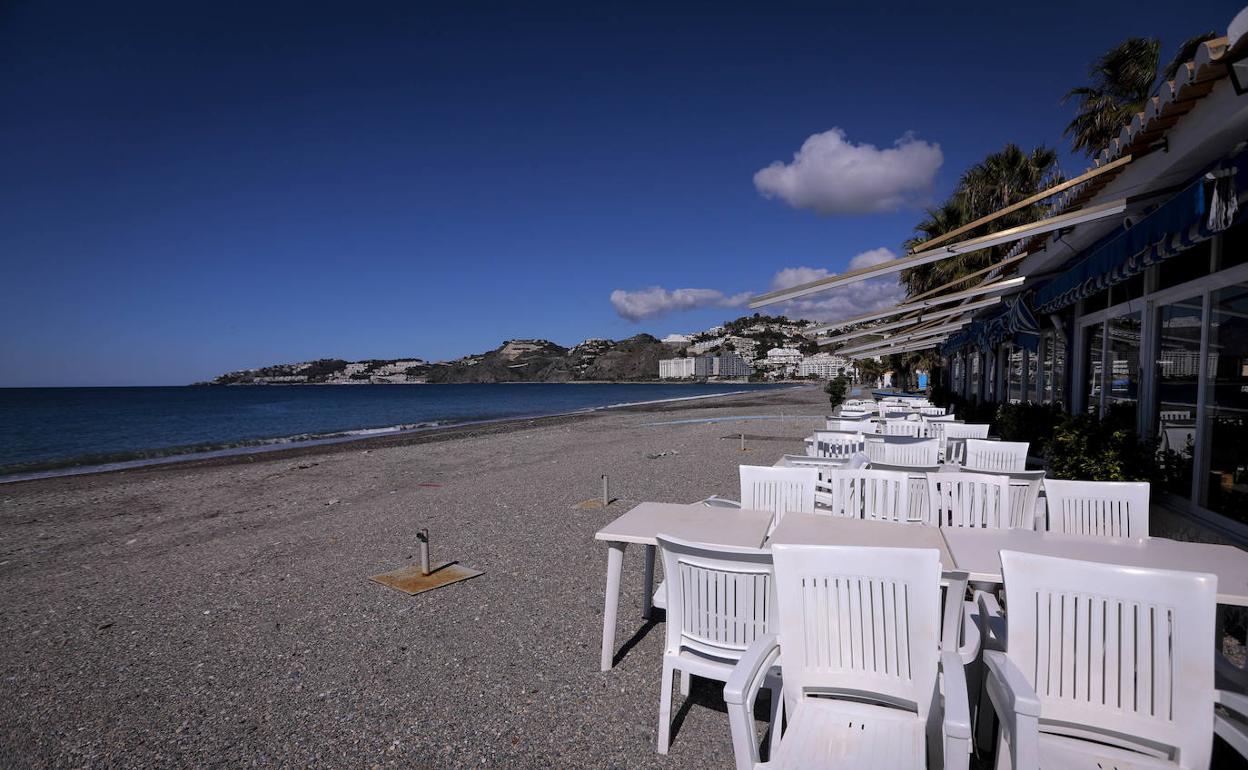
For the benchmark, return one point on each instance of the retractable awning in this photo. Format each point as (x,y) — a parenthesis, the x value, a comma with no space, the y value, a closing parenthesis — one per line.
(1201,210)
(934,342)
(1088,214)
(901,339)
(991,287)
(923,318)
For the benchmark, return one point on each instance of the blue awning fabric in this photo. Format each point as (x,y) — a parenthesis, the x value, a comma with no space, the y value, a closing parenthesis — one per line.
(1203,209)
(1207,206)
(1016,323)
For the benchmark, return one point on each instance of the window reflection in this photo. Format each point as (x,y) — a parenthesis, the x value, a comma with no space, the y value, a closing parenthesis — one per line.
(1178,374)
(1227,408)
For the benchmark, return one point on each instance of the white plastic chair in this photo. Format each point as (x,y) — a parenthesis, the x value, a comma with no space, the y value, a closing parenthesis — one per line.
(1098,508)
(718,603)
(863,674)
(945,430)
(778,490)
(1107,667)
(912,428)
(870,494)
(963,499)
(917,477)
(932,411)
(850,426)
(838,444)
(902,450)
(982,455)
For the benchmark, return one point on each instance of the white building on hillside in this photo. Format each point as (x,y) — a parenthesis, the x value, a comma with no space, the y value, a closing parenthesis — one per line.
(825,366)
(732,365)
(677,339)
(710,344)
(676,368)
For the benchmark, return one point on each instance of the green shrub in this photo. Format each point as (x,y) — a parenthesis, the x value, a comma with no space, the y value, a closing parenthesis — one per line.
(1084,447)
(836,391)
(1027,422)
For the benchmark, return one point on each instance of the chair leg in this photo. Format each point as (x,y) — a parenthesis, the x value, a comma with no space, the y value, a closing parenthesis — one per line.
(665,709)
(686,682)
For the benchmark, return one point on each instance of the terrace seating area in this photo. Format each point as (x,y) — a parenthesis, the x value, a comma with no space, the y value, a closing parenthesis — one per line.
(910,593)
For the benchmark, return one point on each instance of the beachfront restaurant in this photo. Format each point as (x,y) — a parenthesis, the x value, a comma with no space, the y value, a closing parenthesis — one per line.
(919,589)
(1130,297)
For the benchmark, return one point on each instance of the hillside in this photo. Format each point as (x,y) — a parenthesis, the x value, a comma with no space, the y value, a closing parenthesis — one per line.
(636,358)
(535,360)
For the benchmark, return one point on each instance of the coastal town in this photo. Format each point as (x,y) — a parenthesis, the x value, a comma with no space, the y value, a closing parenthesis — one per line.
(756,348)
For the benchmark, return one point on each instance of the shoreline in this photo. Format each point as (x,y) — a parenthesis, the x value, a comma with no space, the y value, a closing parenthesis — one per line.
(284,446)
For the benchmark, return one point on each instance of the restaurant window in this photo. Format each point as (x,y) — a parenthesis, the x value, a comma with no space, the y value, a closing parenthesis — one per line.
(1032,383)
(975,378)
(1178,379)
(1226,413)
(1234,249)
(1014,372)
(1186,266)
(1055,365)
(1132,288)
(1123,383)
(1098,301)
(1094,336)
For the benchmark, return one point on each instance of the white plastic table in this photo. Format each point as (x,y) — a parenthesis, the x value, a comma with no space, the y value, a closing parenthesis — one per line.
(813,529)
(642,524)
(977,551)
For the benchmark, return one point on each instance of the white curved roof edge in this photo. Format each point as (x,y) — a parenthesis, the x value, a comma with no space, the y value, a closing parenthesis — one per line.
(1238,28)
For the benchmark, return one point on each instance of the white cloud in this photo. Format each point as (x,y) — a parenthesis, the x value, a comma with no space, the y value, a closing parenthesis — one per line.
(831,175)
(871,258)
(844,301)
(656,301)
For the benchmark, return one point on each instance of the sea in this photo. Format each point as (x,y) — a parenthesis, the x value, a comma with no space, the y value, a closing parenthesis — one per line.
(58,431)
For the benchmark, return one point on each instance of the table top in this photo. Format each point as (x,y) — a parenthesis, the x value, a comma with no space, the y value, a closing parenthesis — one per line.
(813,529)
(696,522)
(977,551)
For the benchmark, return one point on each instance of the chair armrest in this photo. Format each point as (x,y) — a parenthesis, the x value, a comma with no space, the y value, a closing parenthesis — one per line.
(739,693)
(991,622)
(719,502)
(954,583)
(956,744)
(1008,688)
(1234,732)
(748,674)
(1233,701)
(957,707)
(1017,707)
(969,650)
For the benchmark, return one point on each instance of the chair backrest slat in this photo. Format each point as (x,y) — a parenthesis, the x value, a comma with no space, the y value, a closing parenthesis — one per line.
(859,621)
(996,455)
(778,490)
(870,494)
(903,450)
(719,598)
(962,499)
(1121,651)
(1098,508)
(838,444)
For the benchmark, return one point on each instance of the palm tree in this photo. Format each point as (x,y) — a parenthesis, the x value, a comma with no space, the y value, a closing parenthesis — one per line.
(1122,79)
(1001,179)
(1186,52)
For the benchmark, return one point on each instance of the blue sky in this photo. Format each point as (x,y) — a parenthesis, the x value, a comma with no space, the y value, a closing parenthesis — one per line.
(189,190)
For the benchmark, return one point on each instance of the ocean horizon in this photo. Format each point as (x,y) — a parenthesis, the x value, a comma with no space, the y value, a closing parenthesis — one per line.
(62,430)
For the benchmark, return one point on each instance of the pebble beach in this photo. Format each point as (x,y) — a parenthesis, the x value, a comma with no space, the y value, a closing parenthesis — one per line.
(218,613)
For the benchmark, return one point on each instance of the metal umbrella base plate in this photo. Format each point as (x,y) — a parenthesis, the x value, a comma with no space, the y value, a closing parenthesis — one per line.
(410,581)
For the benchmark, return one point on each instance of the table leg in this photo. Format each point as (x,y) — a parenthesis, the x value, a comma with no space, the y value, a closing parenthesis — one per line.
(647,608)
(615,562)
